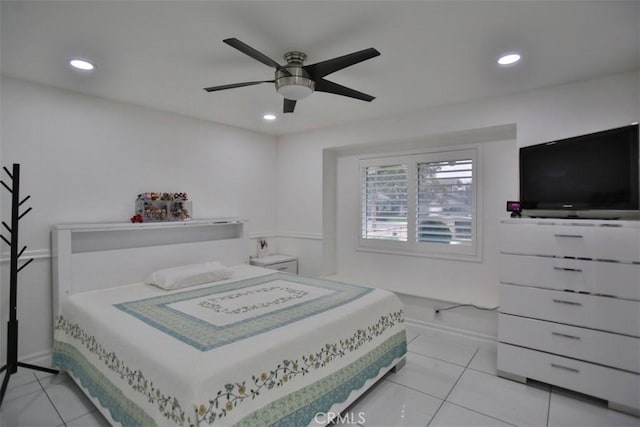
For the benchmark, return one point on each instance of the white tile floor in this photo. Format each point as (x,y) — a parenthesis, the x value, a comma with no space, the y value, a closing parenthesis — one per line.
(447,381)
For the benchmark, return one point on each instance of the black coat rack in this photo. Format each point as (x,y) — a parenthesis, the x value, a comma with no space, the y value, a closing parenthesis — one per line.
(12,326)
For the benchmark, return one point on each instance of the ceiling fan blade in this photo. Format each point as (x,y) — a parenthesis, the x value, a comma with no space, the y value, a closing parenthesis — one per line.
(258,56)
(324,68)
(234,85)
(323,85)
(289,105)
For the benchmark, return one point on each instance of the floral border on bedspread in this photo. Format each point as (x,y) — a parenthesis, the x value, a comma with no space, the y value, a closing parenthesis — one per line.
(204,336)
(300,408)
(122,409)
(292,408)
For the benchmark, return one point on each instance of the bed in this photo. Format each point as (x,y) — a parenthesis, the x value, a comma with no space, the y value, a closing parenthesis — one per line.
(253,347)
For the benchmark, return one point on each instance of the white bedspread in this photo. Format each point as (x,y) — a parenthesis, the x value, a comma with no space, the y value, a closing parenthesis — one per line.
(262,348)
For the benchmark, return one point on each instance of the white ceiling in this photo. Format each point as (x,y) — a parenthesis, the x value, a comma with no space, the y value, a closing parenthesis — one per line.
(161,54)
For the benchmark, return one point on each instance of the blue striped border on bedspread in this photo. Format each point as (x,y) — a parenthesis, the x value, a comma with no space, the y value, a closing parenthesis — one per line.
(204,336)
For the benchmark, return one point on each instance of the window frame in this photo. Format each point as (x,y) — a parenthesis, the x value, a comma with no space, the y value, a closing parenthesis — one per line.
(412,247)
(379,244)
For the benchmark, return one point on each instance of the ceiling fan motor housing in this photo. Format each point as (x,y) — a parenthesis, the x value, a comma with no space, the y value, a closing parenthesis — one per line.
(297,85)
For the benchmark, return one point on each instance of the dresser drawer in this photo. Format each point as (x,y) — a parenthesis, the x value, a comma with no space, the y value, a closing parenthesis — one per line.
(606,383)
(601,313)
(618,351)
(621,280)
(581,241)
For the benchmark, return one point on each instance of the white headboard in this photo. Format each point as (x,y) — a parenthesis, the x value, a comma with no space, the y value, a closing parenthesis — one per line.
(104,255)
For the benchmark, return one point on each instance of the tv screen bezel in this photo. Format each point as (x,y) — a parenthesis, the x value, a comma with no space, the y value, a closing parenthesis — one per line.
(566,210)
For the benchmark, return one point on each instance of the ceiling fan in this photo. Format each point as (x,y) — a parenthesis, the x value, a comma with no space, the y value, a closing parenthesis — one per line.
(295,81)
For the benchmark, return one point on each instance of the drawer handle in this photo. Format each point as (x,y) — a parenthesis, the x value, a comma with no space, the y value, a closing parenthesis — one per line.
(574,236)
(566,368)
(282,268)
(558,334)
(576,270)
(561,301)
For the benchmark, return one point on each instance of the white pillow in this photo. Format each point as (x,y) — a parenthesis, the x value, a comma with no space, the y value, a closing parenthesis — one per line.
(189,275)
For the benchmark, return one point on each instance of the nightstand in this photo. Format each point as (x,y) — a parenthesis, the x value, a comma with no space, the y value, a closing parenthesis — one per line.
(285,263)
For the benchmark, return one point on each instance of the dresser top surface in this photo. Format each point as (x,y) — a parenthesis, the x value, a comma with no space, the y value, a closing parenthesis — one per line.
(574,222)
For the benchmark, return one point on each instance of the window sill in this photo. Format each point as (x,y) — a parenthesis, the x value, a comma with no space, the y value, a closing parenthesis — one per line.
(435,255)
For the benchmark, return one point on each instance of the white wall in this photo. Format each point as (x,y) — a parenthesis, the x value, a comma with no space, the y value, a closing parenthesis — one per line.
(538,116)
(85,159)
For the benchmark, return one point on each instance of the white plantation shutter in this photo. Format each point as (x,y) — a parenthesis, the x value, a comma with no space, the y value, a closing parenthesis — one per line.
(384,202)
(445,202)
(421,204)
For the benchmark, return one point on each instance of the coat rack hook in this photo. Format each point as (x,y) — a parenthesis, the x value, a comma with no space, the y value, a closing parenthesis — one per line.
(25,264)
(7,171)
(24,213)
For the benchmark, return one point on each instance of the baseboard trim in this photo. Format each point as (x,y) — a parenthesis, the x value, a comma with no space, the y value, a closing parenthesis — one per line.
(35,254)
(296,235)
(486,342)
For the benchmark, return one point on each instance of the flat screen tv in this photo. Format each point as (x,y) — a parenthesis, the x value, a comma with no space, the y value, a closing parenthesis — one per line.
(587,176)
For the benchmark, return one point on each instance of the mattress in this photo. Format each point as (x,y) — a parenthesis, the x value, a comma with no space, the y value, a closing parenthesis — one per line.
(261,348)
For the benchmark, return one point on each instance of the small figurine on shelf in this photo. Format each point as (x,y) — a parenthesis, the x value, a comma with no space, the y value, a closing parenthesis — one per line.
(180,212)
(137,218)
(155,211)
(159,206)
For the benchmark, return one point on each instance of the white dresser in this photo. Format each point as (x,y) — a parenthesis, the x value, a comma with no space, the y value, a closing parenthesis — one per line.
(570,306)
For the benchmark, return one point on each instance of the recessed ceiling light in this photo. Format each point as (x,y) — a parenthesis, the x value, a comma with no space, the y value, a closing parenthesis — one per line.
(81,64)
(509,58)
(269,117)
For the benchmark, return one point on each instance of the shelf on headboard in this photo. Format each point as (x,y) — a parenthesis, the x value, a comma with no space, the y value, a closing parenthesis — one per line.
(108,226)
(107,236)
(88,257)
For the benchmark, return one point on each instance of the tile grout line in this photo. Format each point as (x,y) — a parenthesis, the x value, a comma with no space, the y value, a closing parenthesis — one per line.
(385,378)
(414,389)
(448,361)
(454,386)
(442,360)
(51,401)
(412,340)
(467,367)
(481,413)
(10,388)
(424,392)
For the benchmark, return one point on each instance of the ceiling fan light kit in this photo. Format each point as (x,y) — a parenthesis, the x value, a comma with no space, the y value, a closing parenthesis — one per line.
(295,87)
(295,81)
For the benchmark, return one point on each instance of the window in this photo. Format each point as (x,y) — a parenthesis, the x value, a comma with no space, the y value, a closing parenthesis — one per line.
(385,201)
(421,204)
